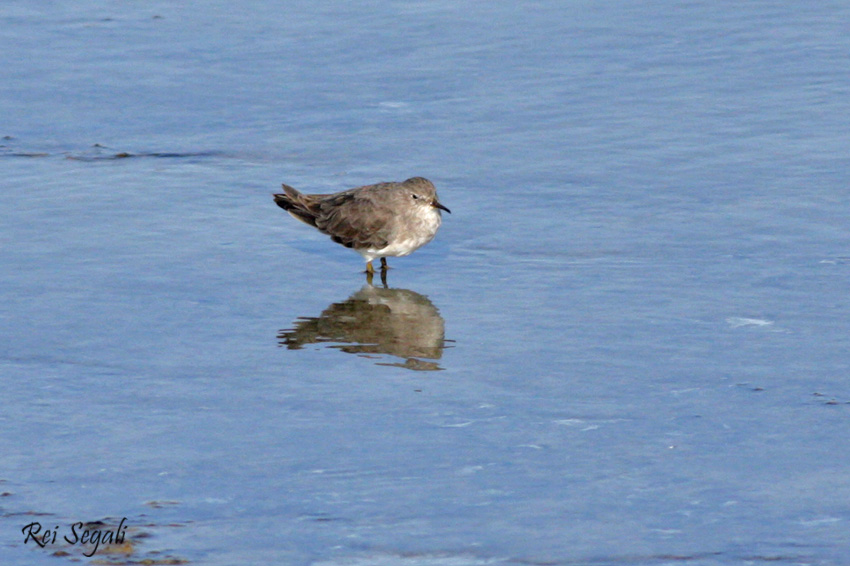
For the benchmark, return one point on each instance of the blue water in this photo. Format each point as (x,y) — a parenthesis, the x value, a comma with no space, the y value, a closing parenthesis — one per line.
(628,343)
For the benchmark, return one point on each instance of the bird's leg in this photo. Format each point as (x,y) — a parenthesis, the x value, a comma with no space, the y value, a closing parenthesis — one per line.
(384,265)
(384,279)
(369,268)
(369,275)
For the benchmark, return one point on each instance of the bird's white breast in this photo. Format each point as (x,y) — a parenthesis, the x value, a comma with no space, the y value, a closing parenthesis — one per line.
(417,231)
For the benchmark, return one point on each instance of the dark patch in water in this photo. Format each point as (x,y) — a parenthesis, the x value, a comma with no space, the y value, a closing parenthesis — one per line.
(126,155)
(24,154)
(97,153)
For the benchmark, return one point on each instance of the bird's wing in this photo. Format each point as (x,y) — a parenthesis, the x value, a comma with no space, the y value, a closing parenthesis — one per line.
(355,219)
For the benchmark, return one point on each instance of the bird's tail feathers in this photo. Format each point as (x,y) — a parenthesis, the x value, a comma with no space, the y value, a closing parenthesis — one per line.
(296,205)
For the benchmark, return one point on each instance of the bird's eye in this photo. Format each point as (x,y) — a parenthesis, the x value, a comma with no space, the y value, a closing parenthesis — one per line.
(415,196)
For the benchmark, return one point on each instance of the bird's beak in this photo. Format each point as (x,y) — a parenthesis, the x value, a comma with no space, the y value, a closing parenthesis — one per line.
(436,204)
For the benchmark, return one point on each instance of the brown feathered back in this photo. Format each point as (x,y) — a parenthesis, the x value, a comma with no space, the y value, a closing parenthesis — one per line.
(339,215)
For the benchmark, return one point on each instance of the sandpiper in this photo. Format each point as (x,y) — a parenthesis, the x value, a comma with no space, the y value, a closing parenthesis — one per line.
(376,221)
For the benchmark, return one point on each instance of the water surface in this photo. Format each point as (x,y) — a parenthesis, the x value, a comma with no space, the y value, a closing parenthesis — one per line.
(635,321)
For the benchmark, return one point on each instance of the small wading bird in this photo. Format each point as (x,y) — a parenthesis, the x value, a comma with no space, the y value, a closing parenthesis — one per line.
(376,221)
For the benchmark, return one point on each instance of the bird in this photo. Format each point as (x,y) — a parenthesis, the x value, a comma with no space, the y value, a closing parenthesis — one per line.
(377,221)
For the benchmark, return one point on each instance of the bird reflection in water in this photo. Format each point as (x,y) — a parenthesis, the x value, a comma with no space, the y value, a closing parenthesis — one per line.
(374,321)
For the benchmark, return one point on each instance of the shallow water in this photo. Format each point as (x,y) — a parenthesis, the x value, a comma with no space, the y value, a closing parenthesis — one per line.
(627,344)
